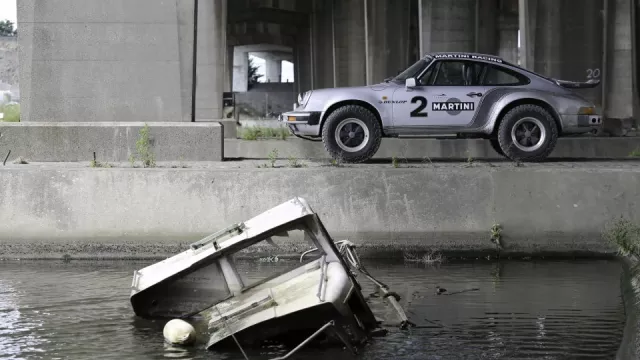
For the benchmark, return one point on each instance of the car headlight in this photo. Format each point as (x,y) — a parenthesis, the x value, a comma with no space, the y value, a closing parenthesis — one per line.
(304,98)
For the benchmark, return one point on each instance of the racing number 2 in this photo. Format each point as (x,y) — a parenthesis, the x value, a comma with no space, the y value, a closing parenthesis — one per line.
(417,112)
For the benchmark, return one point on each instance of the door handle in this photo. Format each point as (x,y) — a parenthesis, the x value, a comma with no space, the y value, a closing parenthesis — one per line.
(472,94)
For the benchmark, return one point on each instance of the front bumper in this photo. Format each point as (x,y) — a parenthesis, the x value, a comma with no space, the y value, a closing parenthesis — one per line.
(301,117)
(302,122)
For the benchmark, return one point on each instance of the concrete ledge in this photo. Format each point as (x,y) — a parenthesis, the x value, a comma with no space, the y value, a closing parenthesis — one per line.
(567,148)
(112,141)
(47,212)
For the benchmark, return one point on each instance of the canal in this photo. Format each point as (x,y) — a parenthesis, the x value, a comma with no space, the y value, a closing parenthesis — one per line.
(496,310)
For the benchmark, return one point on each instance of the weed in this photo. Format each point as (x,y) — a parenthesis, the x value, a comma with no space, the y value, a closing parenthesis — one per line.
(96,164)
(20,160)
(625,235)
(335,162)
(273,156)
(635,152)
(143,149)
(394,162)
(255,133)
(294,163)
(469,159)
(496,235)
(427,158)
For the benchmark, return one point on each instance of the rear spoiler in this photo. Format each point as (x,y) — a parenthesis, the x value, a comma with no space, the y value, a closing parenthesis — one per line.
(577,84)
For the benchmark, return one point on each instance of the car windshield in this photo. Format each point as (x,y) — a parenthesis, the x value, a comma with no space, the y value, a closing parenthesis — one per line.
(413,70)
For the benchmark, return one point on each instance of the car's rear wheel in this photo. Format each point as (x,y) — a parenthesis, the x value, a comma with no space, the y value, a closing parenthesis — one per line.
(527,133)
(352,134)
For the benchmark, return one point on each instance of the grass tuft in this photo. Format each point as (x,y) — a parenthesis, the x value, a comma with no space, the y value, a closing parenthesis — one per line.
(255,133)
(625,235)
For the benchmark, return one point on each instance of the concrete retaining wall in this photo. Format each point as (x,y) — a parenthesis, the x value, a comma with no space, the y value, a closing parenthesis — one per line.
(567,148)
(48,211)
(113,141)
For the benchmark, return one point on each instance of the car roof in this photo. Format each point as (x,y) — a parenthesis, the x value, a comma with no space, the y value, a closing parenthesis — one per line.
(464,55)
(481,57)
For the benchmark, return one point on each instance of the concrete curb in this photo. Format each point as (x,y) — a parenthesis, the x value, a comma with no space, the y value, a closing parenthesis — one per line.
(567,148)
(111,141)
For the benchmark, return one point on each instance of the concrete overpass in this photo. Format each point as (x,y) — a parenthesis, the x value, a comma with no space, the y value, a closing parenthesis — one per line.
(117,60)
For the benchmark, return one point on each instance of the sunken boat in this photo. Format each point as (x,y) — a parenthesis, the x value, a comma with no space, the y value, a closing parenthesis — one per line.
(317,294)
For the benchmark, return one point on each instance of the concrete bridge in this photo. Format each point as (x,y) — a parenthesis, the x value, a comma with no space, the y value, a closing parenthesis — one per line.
(117,60)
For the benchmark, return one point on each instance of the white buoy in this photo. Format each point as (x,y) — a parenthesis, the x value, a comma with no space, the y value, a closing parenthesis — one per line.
(179,332)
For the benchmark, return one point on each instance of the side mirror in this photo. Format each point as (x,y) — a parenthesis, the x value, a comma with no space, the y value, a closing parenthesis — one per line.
(410,83)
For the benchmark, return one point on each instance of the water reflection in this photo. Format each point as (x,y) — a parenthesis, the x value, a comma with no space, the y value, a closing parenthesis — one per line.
(18,331)
(544,310)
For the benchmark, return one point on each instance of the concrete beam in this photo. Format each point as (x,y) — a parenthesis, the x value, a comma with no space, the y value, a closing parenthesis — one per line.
(447,25)
(211,55)
(620,90)
(111,141)
(350,43)
(50,211)
(240,70)
(269,15)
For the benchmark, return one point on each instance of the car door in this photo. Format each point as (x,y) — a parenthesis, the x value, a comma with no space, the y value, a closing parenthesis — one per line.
(447,95)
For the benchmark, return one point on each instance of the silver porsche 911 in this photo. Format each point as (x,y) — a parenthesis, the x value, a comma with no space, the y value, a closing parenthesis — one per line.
(472,95)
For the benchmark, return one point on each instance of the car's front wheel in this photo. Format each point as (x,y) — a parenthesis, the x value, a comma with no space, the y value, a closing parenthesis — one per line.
(351,134)
(527,133)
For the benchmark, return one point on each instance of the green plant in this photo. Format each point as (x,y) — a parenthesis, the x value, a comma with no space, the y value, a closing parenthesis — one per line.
(97,164)
(294,163)
(255,133)
(253,77)
(625,235)
(273,156)
(20,160)
(635,152)
(7,28)
(469,159)
(143,149)
(11,112)
(496,235)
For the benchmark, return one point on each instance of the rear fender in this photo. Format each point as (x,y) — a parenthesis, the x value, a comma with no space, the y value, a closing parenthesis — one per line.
(506,99)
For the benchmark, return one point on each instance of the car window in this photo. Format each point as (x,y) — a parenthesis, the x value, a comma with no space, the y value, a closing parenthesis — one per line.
(498,76)
(426,77)
(413,70)
(457,73)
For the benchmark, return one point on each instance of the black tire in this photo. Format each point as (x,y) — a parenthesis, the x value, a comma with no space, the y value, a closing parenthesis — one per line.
(361,116)
(495,144)
(541,118)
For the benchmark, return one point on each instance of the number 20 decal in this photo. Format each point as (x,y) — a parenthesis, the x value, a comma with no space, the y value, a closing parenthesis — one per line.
(417,112)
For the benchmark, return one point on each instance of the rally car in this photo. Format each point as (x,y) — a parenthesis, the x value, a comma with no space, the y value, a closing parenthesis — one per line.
(468,94)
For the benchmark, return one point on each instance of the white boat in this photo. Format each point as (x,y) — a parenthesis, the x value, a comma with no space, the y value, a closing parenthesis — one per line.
(315,293)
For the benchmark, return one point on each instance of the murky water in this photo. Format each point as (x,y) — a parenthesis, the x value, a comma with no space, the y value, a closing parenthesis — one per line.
(534,310)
